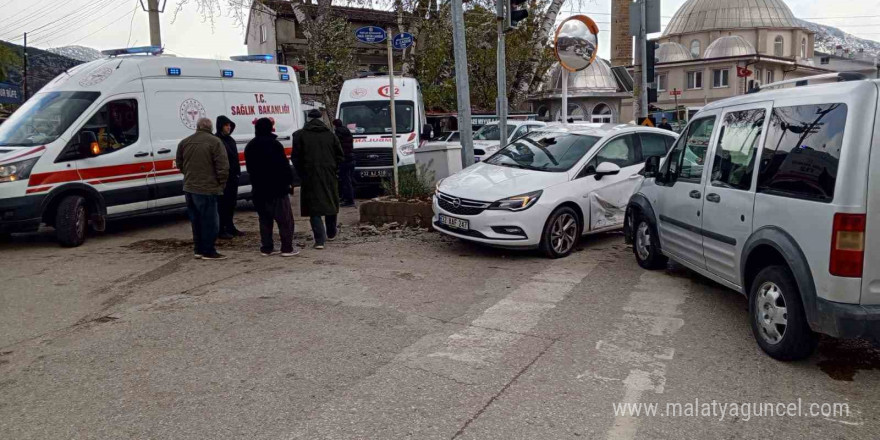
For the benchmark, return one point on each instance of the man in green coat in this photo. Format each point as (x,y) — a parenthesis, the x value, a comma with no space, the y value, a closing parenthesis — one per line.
(317,154)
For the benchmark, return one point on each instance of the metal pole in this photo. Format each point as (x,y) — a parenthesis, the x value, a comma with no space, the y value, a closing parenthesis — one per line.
(391,105)
(501,75)
(676,103)
(24,81)
(153,11)
(641,99)
(564,95)
(462,85)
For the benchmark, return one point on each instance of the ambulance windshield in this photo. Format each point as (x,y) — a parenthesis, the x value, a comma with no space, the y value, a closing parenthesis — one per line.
(44,118)
(373,117)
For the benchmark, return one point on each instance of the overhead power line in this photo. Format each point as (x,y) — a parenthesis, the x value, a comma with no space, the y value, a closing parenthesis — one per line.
(63,27)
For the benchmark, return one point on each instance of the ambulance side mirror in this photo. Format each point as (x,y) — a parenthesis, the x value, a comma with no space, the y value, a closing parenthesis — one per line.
(87,144)
(427,130)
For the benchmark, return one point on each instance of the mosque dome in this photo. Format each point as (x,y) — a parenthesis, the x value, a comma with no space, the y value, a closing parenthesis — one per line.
(710,15)
(729,46)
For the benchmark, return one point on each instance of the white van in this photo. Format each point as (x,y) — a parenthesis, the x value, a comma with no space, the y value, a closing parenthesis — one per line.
(99,141)
(364,108)
(774,194)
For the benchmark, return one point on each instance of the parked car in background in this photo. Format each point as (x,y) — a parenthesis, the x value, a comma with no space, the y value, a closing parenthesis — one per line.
(487,138)
(774,194)
(449,136)
(547,188)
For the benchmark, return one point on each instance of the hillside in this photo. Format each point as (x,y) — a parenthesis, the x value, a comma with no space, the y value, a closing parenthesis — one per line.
(828,38)
(43,66)
(79,53)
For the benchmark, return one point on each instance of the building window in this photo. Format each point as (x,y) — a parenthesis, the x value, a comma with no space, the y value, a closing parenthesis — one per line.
(825,60)
(264,33)
(601,114)
(695,80)
(720,78)
(804,48)
(695,49)
(769,77)
(660,82)
(758,75)
(778,45)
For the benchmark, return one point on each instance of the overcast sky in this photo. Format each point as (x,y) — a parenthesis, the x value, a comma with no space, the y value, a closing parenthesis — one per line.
(105,24)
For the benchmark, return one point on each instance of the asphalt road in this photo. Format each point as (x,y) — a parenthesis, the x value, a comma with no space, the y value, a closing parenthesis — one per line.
(397,335)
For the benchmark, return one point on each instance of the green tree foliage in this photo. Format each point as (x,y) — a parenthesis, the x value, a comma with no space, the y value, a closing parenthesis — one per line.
(8,59)
(435,64)
(329,64)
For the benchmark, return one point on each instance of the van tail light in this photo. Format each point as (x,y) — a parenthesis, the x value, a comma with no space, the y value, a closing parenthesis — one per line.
(848,245)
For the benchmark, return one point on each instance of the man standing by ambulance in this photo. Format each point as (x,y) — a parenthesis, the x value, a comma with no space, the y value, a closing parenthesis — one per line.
(227,202)
(203,161)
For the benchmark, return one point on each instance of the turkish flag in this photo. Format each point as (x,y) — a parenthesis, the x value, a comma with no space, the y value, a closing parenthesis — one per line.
(743,72)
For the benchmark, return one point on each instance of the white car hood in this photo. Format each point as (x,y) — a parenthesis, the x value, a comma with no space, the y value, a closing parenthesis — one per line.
(489,183)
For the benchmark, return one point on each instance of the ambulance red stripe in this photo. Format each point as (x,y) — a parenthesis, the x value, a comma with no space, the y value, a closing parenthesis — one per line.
(26,153)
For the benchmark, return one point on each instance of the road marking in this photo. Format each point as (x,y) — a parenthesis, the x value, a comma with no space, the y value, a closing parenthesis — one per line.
(508,320)
(651,316)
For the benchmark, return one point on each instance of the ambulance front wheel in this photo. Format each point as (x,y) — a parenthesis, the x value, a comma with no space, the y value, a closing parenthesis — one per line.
(71,221)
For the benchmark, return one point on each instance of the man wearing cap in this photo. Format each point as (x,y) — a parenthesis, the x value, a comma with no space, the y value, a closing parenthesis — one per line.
(317,154)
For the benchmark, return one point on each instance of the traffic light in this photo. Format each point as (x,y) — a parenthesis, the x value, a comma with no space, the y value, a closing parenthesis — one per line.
(652,94)
(517,11)
(651,47)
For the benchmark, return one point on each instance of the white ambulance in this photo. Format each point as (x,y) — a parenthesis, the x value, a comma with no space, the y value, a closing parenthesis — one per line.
(99,141)
(364,107)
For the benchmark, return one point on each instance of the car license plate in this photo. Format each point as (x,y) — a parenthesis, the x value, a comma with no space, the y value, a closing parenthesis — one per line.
(453,222)
(374,173)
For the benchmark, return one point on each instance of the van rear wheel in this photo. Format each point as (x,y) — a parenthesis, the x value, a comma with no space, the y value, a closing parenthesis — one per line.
(71,221)
(777,316)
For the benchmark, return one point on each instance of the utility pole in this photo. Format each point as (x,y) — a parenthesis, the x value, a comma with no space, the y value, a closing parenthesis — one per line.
(153,10)
(462,85)
(501,74)
(640,98)
(24,81)
(391,106)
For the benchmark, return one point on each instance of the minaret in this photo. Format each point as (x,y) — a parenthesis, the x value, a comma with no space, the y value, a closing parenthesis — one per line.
(621,41)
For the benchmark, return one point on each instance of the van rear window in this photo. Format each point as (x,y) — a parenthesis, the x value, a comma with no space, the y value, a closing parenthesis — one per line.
(802,150)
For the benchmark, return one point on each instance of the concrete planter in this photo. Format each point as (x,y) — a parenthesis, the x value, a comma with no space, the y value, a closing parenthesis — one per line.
(412,213)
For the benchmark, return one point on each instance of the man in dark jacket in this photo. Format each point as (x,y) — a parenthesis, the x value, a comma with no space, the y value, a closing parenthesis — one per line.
(202,160)
(664,124)
(317,154)
(346,168)
(226,205)
(271,186)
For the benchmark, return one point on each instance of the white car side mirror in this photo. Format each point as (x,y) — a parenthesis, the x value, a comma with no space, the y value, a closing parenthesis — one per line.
(606,169)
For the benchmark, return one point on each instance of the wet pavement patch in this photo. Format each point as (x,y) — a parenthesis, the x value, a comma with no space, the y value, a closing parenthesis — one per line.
(843,358)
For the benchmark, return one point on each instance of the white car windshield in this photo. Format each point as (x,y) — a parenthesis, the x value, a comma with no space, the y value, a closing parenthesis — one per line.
(491,132)
(544,151)
(374,117)
(44,118)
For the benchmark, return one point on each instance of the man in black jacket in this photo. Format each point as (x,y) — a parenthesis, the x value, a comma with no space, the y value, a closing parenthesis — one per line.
(227,202)
(346,168)
(271,186)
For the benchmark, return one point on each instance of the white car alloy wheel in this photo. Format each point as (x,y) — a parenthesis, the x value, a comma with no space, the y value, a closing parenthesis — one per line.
(563,233)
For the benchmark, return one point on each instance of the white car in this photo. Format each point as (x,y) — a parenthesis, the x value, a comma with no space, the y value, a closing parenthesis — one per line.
(486,139)
(549,187)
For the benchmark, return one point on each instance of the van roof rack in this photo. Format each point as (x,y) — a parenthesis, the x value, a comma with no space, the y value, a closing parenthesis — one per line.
(811,80)
(142,50)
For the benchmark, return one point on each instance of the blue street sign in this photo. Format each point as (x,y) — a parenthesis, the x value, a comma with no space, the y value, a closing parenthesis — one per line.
(402,41)
(370,34)
(10,94)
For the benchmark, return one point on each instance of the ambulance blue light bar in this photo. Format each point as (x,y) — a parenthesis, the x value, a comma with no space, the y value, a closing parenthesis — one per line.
(173,71)
(148,50)
(227,73)
(282,69)
(253,58)
(285,77)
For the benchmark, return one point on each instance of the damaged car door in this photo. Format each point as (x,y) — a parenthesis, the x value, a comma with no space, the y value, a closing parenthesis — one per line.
(609,180)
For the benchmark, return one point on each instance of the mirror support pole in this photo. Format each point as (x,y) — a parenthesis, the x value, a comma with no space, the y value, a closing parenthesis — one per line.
(564,95)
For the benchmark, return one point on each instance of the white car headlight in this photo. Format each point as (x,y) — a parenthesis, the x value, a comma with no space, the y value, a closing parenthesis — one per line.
(437,185)
(406,149)
(16,171)
(517,203)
